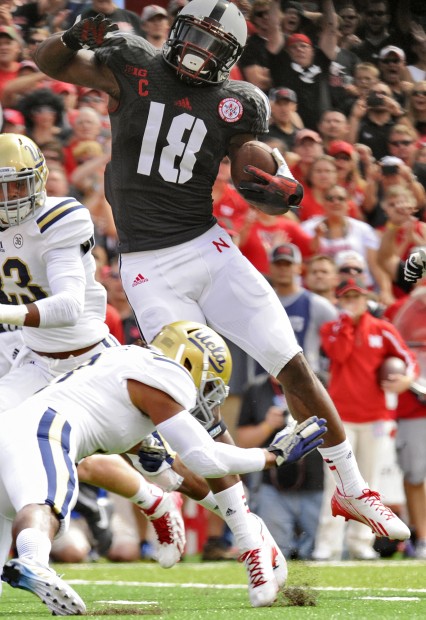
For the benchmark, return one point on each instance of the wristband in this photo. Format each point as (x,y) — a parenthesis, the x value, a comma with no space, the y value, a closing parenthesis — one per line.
(70,42)
(13,315)
(218,429)
(283,169)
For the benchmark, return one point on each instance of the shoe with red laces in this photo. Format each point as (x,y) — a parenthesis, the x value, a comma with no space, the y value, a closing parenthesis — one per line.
(263,587)
(279,564)
(169,527)
(368,509)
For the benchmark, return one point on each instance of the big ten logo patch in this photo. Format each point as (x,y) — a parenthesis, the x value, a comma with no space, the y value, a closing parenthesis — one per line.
(142,75)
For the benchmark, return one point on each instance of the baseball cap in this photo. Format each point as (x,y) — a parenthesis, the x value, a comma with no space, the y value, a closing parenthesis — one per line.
(351,284)
(298,37)
(152,10)
(280,93)
(288,252)
(28,64)
(340,146)
(14,117)
(392,49)
(347,256)
(11,32)
(308,133)
(85,91)
(59,87)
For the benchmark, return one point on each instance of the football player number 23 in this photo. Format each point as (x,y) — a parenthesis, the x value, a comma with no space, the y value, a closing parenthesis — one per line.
(194,130)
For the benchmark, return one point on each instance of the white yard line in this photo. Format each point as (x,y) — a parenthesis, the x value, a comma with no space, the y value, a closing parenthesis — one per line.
(235,586)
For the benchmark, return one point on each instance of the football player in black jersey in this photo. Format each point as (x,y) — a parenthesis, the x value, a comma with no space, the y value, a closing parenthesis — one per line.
(174,116)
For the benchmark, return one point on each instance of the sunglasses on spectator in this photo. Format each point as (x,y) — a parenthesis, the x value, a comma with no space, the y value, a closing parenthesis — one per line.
(351,17)
(260,13)
(376,13)
(335,197)
(391,61)
(400,142)
(419,92)
(350,270)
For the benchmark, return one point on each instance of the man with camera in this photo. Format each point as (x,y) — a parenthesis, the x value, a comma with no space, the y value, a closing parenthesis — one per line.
(372,118)
(389,171)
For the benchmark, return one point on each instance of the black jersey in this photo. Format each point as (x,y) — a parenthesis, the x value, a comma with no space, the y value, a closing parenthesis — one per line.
(168,139)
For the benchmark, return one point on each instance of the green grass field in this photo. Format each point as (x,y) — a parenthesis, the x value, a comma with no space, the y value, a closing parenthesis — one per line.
(193,591)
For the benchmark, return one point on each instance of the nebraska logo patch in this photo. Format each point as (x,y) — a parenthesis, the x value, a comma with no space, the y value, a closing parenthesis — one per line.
(230,110)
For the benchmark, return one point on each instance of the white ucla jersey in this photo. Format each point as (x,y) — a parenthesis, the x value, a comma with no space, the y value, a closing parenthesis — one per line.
(95,402)
(60,223)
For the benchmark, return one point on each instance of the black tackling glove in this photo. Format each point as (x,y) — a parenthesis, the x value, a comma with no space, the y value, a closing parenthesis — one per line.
(88,33)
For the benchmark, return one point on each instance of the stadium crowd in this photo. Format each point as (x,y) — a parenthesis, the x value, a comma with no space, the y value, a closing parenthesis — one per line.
(347,89)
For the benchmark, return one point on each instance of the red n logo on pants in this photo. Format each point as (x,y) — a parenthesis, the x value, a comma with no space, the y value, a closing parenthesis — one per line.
(220,244)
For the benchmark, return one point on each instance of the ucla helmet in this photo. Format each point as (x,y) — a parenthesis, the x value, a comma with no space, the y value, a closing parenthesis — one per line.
(207,357)
(205,41)
(23,175)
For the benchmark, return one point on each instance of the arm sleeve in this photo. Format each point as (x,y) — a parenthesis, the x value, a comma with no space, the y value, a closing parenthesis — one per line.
(204,456)
(67,280)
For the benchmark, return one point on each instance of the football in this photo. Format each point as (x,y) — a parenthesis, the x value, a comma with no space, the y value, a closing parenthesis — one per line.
(253,153)
(392,366)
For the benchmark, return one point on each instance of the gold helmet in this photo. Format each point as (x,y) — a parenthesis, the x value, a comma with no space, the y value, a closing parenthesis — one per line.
(23,175)
(207,357)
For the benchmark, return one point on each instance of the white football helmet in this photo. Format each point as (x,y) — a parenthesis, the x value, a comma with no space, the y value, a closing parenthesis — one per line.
(207,357)
(205,41)
(23,175)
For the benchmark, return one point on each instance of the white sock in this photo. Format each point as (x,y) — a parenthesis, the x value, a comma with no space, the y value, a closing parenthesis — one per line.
(343,466)
(236,513)
(147,495)
(210,503)
(34,544)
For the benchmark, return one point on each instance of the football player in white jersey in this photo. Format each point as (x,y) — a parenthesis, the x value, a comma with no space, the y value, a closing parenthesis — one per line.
(48,290)
(108,405)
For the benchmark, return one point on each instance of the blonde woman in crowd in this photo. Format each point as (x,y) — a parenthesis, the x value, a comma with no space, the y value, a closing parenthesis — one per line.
(416,110)
(321,178)
(348,174)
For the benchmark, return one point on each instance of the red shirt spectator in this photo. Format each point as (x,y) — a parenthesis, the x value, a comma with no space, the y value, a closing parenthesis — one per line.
(262,232)
(357,345)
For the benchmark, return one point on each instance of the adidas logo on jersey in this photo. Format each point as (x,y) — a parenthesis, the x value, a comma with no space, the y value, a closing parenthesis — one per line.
(184,103)
(139,280)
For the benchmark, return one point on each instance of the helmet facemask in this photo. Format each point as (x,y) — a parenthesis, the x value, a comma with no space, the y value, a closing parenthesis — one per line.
(20,193)
(211,393)
(201,50)
(23,175)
